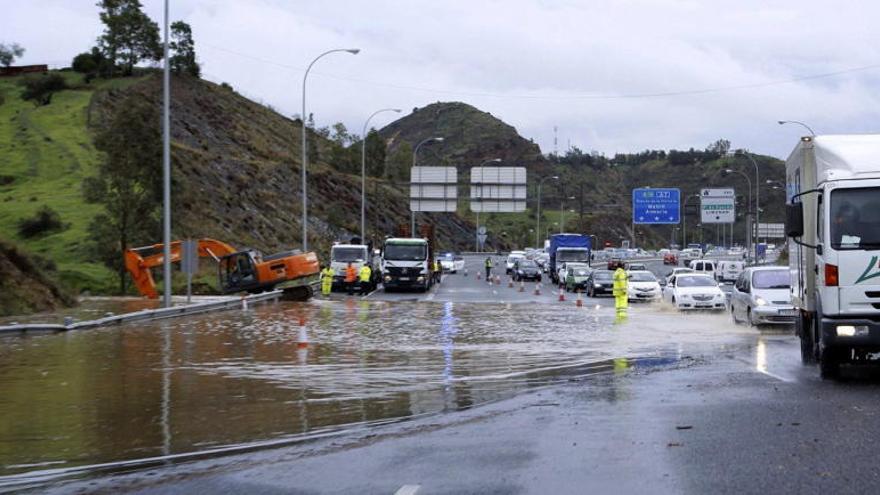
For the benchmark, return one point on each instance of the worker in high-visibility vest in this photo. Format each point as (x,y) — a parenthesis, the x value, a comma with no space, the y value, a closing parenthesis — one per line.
(350,278)
(365,274)
(327,274)
(437,271)
(488,267)
(620,293)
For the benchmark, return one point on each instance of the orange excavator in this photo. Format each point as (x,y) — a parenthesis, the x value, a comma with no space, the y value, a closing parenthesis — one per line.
(239,270)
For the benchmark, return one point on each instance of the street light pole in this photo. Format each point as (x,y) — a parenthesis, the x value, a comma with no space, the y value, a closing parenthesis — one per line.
(166,172)
(364,170)
(758,195)
(477,231)
(562,213)
(538,215)
(805,126)
(748,227)
(684,220)
(305,154)
(415,153)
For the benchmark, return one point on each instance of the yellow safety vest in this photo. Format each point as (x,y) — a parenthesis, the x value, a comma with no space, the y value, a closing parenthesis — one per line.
(619,282)
(365,273)
(327,274)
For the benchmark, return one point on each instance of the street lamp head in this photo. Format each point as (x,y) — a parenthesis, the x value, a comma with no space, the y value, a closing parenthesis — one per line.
(728,171)
(397,110)
(781,122)
(438,139)
(495,160)
(555,177)
(353,51)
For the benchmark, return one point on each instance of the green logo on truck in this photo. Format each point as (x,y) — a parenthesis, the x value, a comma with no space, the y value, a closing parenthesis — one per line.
(865,274)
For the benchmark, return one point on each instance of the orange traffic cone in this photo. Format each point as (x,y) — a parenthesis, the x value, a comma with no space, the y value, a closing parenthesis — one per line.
(522,286)
(580,300)
(561,294)
(537,289)
(302,340)
(478,276)
(510,282)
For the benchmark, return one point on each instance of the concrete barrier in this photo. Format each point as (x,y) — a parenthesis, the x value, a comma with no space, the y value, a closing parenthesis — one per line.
(148,314)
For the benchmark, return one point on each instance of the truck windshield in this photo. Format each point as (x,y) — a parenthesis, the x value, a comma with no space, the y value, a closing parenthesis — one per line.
(563,255)
(855,218)
(346,254)
(770,279)
(405,252)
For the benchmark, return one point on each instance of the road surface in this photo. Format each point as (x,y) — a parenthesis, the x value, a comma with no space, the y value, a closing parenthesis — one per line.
(470,388)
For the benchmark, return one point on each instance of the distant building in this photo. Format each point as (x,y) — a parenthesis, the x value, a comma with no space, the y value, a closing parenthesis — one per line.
(22,69)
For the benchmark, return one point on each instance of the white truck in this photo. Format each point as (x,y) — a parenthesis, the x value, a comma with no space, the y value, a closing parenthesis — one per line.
(356,254)
(833,219)
(406,264)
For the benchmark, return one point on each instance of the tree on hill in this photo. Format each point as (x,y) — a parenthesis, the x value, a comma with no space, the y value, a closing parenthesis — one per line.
(376,151)
(183,60)
(10,52)
(128,184)
(40,88)
(129,34)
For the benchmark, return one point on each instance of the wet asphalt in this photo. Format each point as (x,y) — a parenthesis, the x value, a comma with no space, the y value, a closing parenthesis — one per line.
(746,417)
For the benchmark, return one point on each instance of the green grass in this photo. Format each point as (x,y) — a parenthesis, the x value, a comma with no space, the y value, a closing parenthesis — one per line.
(48,152)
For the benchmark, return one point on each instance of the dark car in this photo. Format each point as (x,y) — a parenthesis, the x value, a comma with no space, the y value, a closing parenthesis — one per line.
(600,282)
(525,269)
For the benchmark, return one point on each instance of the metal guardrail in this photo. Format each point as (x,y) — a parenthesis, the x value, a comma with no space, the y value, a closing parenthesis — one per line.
(147,314)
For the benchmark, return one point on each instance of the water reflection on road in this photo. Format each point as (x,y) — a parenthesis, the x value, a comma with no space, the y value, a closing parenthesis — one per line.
(287,368)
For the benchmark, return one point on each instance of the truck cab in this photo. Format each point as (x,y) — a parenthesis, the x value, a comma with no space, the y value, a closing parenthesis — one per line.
(356,254)
(406,264)
(566,248)
(833,218)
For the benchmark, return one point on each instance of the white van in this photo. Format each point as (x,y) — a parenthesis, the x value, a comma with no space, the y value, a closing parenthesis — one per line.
(728,271)
(703,266)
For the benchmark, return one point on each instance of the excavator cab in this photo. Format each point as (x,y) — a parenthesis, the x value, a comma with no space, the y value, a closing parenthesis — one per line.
(238,272)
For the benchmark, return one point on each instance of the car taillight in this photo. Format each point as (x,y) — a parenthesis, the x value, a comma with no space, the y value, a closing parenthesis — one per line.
(830,275)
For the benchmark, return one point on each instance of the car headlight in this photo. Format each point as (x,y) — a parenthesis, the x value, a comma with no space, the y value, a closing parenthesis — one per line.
(387,278)
(598,286)
(684,296)
(420,279)
(760,301)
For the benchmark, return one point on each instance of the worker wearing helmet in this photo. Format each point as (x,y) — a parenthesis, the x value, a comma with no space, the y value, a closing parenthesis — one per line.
(620,292)
(327,280)
(365,274)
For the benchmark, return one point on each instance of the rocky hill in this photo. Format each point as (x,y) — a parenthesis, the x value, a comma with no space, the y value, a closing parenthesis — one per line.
(470,137)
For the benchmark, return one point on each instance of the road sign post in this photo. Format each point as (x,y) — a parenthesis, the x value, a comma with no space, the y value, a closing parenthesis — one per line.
(189,261)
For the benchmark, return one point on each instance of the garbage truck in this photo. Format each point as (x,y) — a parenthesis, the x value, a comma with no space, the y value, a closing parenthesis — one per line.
(833,220)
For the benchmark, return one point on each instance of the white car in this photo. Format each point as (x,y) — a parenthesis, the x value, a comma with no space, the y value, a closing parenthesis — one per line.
(642,285)
(728,271)
(677,271)
(703,266)
(690,291)
(451,262)
(511,260)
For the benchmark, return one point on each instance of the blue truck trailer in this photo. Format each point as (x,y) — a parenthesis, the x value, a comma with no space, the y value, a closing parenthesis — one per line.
(567,248)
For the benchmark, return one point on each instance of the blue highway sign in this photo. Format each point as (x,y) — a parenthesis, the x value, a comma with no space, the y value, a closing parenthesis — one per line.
(656,206)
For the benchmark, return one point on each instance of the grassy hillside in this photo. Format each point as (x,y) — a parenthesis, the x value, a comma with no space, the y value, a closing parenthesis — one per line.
(47,151)
(24,284)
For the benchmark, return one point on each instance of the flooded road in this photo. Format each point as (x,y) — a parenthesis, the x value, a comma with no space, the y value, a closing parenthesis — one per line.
(284,369)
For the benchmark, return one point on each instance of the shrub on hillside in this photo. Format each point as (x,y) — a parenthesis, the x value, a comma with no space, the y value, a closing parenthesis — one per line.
(44,221)
(40,89)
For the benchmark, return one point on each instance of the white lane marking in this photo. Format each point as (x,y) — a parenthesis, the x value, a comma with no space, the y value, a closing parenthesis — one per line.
(408,490)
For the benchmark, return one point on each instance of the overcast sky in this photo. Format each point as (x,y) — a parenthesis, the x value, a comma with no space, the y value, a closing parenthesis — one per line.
(613,76)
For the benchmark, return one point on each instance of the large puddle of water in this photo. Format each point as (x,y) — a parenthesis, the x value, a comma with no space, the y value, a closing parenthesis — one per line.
(234,378)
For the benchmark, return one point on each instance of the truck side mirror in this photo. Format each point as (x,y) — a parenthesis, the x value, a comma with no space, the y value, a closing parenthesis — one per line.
(794,220)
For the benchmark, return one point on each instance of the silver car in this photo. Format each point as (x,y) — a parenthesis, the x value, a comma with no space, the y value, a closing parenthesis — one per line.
(761,296)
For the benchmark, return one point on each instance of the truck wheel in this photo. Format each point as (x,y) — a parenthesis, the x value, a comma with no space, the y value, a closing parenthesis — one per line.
(829,364)
(805,332)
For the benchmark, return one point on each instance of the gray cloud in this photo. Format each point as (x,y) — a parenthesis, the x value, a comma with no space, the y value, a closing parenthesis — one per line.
(534,64)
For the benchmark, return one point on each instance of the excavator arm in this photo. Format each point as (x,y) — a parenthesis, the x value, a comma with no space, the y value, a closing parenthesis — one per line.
(139,261)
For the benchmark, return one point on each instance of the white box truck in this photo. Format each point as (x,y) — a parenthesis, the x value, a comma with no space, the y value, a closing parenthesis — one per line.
(833,219)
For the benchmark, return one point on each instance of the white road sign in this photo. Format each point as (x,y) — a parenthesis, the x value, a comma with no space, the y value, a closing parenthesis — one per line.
(433,189)
(717,206)
(498,189)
